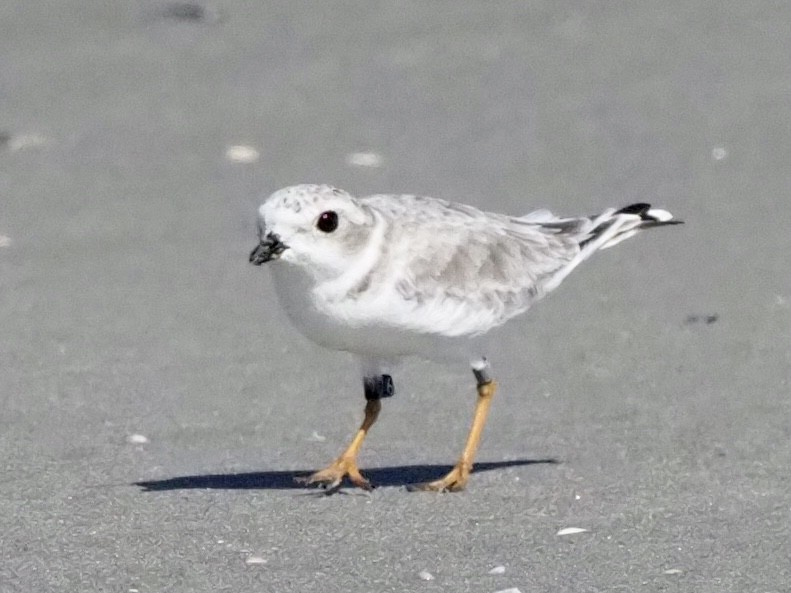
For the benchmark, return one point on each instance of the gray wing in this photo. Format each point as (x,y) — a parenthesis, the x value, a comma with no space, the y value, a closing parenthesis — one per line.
(441,250)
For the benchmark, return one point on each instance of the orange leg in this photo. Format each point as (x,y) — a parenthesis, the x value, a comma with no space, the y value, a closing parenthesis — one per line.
(457,478)
(346,465)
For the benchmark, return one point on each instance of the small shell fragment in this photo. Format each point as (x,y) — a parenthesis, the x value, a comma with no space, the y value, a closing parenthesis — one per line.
(364,159)
(26,142)
(240,153)
(571,531)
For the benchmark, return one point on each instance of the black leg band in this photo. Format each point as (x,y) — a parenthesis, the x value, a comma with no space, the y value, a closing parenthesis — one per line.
(378,387)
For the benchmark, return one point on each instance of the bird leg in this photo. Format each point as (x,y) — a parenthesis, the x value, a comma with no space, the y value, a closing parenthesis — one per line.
(456,479)
(346,464)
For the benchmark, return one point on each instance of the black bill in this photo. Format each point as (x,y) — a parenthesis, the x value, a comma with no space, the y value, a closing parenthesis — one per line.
(268,249)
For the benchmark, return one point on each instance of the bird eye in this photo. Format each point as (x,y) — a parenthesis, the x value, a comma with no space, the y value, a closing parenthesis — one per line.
(327,222)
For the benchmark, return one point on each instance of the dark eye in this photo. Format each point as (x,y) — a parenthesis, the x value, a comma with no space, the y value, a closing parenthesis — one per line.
(327,222)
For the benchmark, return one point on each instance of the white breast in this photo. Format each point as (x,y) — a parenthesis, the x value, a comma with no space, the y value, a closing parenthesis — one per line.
(368,328)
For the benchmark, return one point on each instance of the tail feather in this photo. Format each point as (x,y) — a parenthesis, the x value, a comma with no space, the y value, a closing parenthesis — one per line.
(605,230)
(613,226)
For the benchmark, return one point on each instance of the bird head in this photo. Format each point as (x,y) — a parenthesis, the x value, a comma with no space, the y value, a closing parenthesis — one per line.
(318,227)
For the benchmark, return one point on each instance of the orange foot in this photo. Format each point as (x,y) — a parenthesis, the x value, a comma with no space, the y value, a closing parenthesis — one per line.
(454,481)
(331,477)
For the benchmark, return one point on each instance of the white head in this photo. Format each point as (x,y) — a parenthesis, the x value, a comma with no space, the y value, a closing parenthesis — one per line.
(318,227)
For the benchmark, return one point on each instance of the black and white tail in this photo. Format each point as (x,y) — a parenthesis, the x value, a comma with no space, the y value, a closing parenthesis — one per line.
(599,232)
(613,226)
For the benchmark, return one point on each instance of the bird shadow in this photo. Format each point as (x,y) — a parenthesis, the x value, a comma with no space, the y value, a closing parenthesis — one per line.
(399,475)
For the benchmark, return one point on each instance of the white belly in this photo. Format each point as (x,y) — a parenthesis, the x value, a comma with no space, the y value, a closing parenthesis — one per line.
(368,339)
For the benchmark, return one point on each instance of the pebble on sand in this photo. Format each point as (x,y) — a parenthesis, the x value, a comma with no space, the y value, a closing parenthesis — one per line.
(5,241)
(255,560)
(425,575)
(137,439)
(497,570)
(192,12)
(511,590)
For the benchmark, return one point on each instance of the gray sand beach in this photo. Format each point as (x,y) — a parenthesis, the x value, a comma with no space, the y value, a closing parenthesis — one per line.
(155,404)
